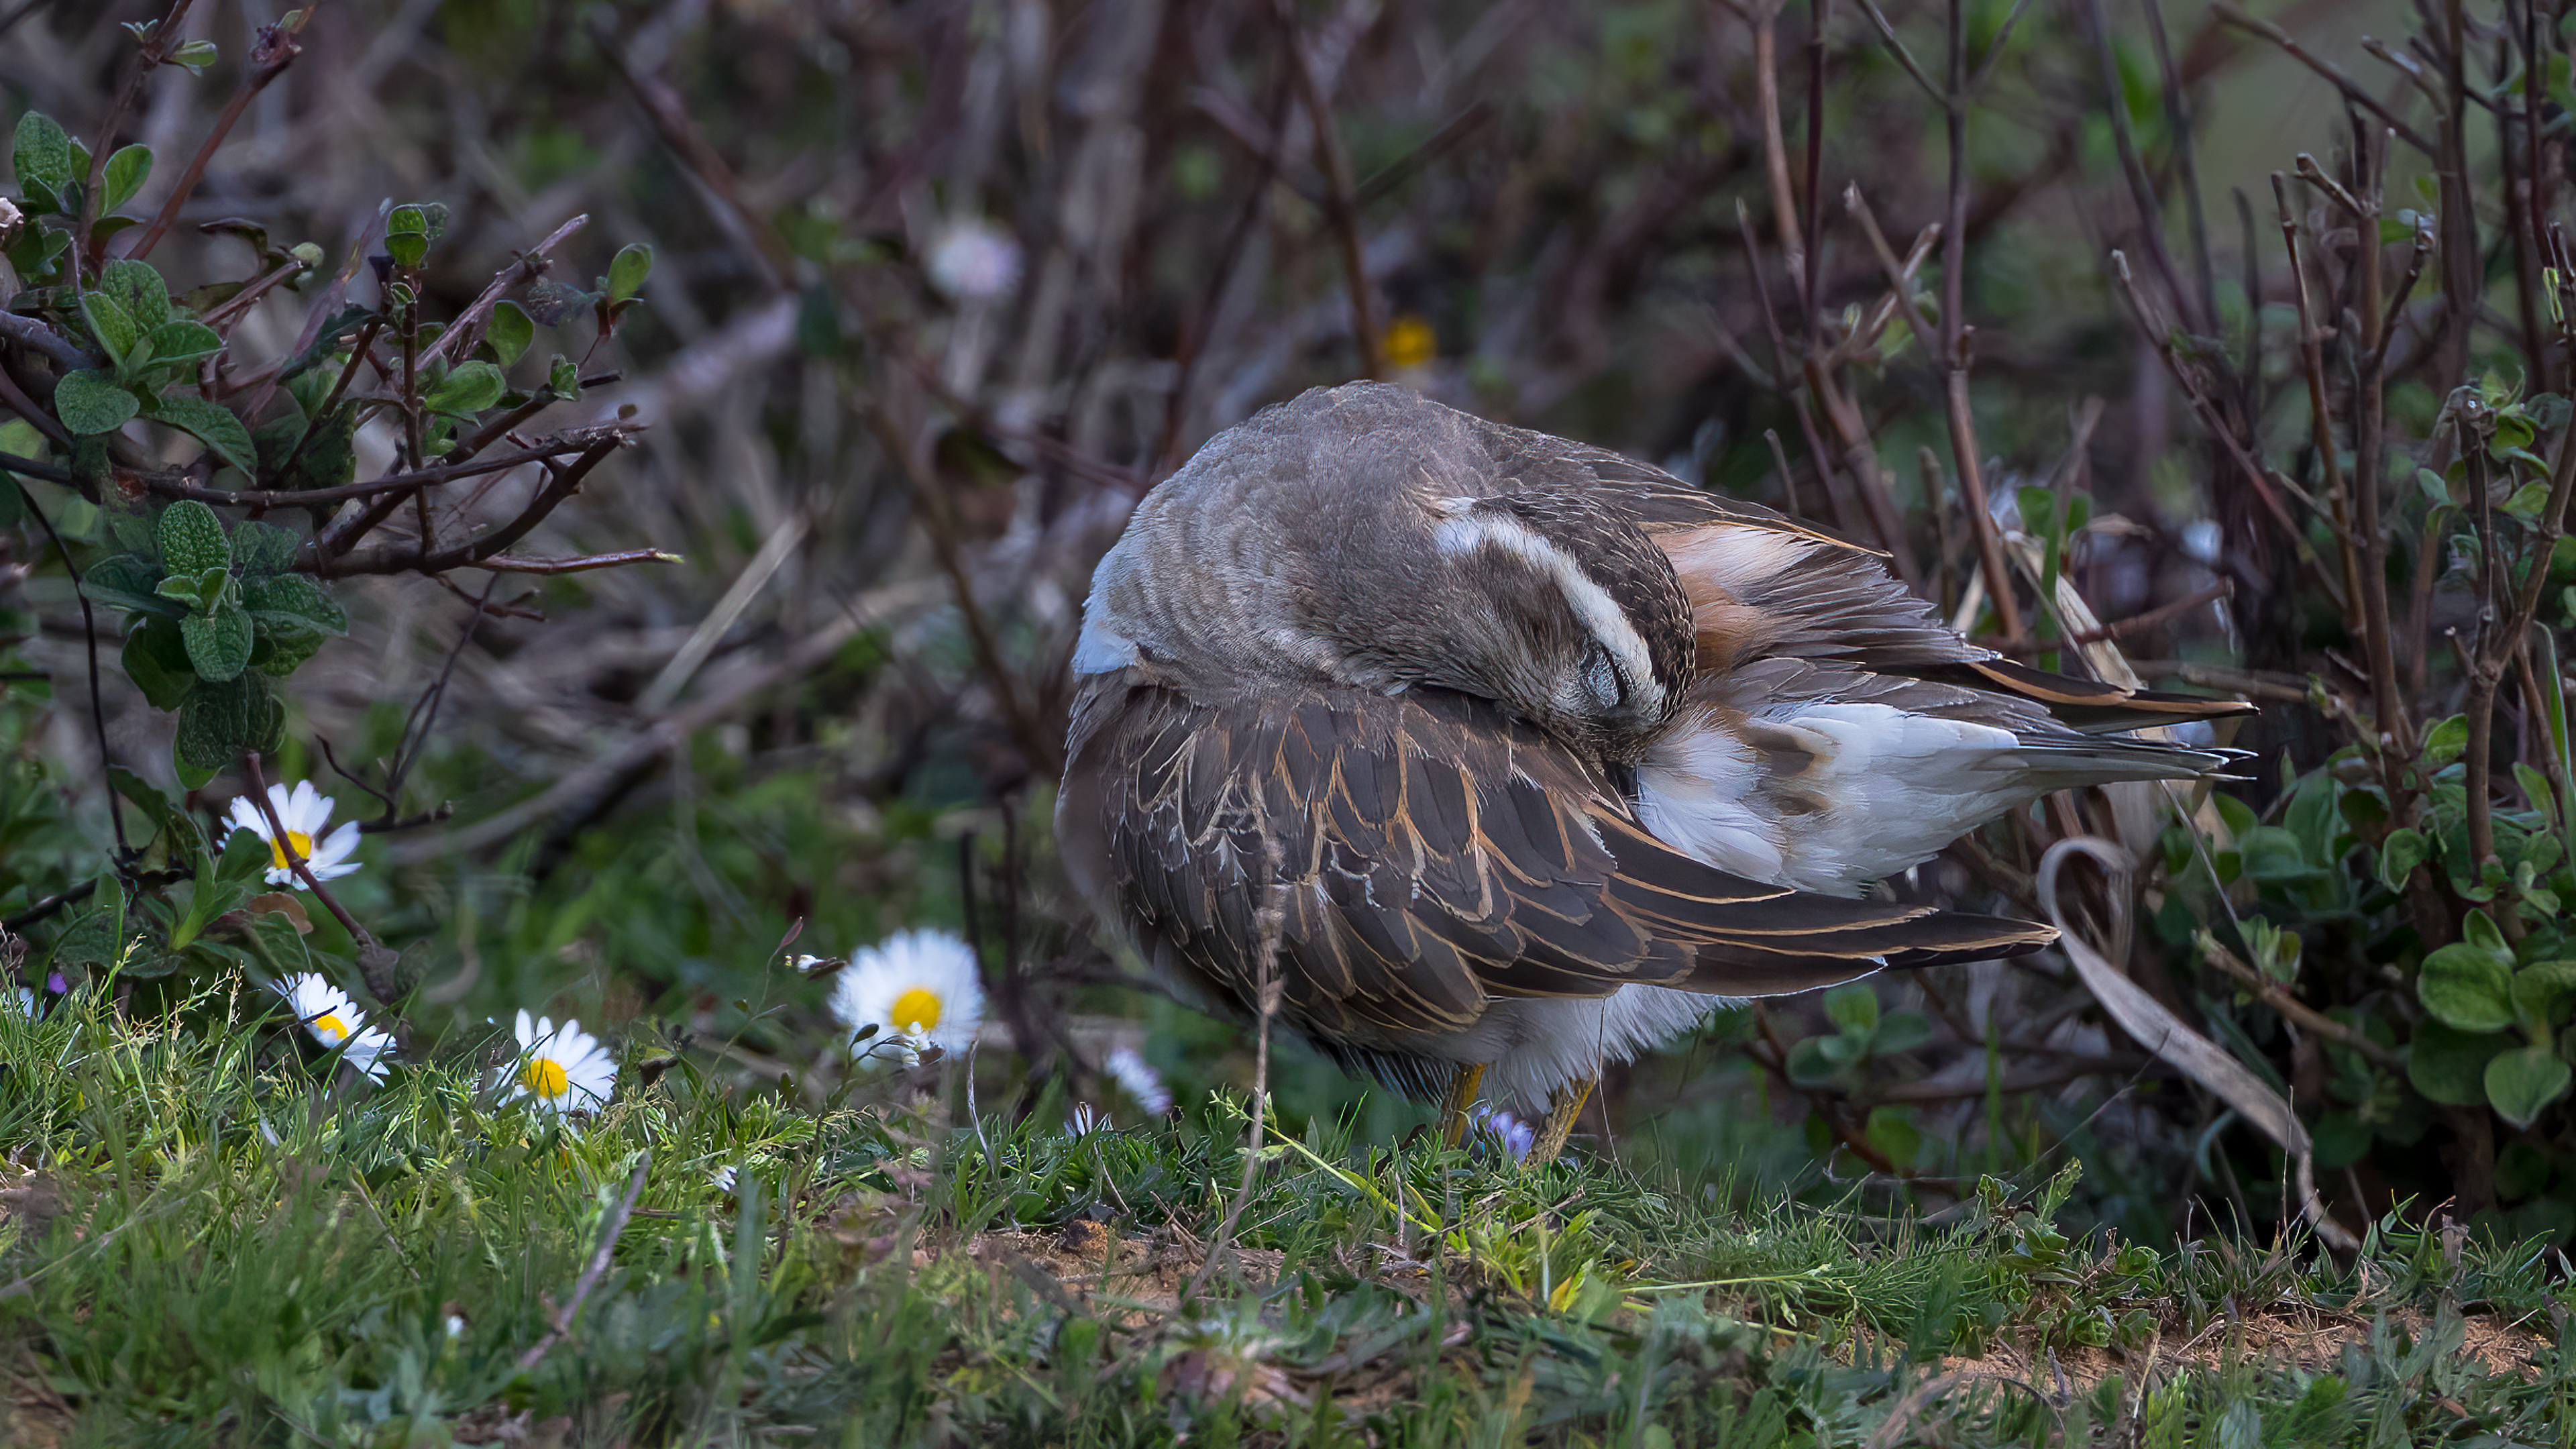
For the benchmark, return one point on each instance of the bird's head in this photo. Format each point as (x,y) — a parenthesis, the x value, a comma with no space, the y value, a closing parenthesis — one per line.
(1385,551)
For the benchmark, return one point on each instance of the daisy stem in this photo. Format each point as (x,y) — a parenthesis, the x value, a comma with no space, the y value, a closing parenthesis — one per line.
(375,962)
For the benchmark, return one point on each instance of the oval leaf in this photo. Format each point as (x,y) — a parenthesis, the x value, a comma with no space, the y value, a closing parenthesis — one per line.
(509,332)
(183,341)
(109,322)
(42,153)
(2450,1066)
(219,642)
(471,388)
(192,538)
(138,289)
(127,170)
(2521,1084)
(2466,989)
(89,401)
(2399,855)
(212,424)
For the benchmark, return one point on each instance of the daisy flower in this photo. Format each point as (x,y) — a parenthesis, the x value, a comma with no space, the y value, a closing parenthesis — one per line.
(1086,1120)
(922,986)
(1129,1069)
(336,1022)
(303,811)
(562,1067)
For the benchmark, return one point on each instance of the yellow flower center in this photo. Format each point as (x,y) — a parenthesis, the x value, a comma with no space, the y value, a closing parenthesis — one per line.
(916,1012)
(330,1027)
(297,841)
(546,1077)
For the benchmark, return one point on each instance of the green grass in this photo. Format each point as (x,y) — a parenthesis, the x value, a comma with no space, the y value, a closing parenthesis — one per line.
(207,1242)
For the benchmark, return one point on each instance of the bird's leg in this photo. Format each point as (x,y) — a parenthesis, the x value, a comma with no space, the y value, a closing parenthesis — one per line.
(1462,1095)
(1562,1108)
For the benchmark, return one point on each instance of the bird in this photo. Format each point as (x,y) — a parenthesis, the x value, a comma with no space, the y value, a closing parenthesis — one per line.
(1481,757)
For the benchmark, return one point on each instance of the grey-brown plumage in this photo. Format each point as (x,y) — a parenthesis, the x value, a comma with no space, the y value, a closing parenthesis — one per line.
(1480,714)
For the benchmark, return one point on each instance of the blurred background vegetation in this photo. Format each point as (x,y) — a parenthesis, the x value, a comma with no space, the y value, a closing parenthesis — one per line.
(940,288)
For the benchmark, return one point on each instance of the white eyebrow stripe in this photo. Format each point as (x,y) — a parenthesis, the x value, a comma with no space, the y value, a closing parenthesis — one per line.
(1465,532)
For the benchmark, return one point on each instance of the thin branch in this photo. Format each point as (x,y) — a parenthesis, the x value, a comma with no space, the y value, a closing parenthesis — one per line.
(610,1231)
(529,266)
(89,639)
(270,55)
(150,56)
(2231,14)
(1337,192)
(512,564)
(45,340)
(562,482)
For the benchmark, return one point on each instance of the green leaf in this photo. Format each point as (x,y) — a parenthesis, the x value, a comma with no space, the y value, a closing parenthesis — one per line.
(127,170)
(1810,1061)
(564,381)
(2444,742)
(293,605)
(2467,989)
(183,341)
(2480,931)
(1891,1130)
(111,325)
(192,538)
(42,153)
(197,589)
(2450,1066)
(2527,501)
(2341,1140)
(96,938)
(212,424)
(156,659)
(628,270)
(407,235)
(220,720)
(2520,1085)
(195,56)
(509,332)
(1854,1008)
(219,641)
(127,581)
(1901,1031)
(2539,989)
(137,288)
(90,401)
(2399,854)
(468,390)
(263,548)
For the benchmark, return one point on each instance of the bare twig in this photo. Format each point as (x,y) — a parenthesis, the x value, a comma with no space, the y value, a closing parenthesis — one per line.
(610,1230)
(45,340)
(89,639)
(270,55)
(1337,192)
(2352,90)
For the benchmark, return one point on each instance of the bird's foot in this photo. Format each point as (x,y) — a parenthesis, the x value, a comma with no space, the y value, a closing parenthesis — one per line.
(1562,1108)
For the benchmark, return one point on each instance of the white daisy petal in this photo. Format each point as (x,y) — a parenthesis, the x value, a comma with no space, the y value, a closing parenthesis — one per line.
(302,812)
(561,1068)
(331,1018)
(922,988)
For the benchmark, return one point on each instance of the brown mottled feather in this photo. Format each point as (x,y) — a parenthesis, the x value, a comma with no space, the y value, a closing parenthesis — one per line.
(1428,852)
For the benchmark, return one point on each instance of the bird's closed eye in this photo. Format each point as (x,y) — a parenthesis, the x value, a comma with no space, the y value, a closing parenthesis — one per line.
(1602,679)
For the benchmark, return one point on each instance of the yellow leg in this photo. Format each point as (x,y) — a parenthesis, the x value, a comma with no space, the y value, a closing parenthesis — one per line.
(1462,1095)
(1562,1108)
